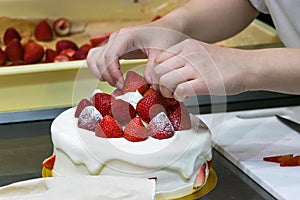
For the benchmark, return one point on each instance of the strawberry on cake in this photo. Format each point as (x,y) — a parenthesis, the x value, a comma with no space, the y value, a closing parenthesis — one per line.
(133,132)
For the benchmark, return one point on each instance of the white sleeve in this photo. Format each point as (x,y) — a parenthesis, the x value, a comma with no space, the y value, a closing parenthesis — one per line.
(260,5)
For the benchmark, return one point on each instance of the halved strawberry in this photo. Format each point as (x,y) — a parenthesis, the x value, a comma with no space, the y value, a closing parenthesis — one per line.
(295,161)
(149,106)
(14,50)
(89,118)
(62,58)
(62,26)
(10,34)
(122,111)
(148,92)
(180,118)
(102,102)
(33,53)
(160,127)
(171,104)
(99,40)
(200,177)
(81,105)
(82,52)
(68,52)
(49,162)
(133,82)
(278,158)
(43,31)
(108,128)
(65,44)
(50,54)
(135,131)
(3,57)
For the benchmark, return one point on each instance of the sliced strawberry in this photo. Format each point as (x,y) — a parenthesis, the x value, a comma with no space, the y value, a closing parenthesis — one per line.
(10,34)
(180,118)
(50,54)
(82,52)
(65,44)
(143,89)
(89,118)
(278,158)
(295,161)
(43,31)
(149,106)
(81,105)
(14,50)
(122,111)
(62,26)
(160,127)
(102,102)
(117,92)
(135,131)
(33,53)
(68,52)
(62,58)
(171,104)
(200,177)
(109,128)
(49,162)
(3,57)
(133,82)
(99,40)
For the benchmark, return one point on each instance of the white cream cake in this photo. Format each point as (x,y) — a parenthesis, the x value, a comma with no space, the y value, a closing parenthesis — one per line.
(174,162)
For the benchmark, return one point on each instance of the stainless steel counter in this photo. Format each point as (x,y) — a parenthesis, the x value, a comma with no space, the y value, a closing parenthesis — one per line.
(23,147)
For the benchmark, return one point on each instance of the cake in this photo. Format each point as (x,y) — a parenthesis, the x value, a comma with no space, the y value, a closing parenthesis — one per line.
(176,153)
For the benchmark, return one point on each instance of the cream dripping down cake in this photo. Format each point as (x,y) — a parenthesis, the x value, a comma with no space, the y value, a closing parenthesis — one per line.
(133,132)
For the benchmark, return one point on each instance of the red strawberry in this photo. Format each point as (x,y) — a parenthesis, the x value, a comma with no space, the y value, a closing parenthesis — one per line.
(18,62)
(180,118)
(82,52)
(200,177)
(43,31)
(122,111)
(33,53)
(3,57)
(50,54)
(10,34)
(62,26)
(160,127)
(149,106)
(135,131)
(81,105)
(65,44)
(171,104)
(109,128)
(14,50)
(278,159)
(89,118)
(62,58)
(295,161)
(117,92)
(99,40)
(148,92)
(68,52)
(133,82)
(102,102)
(49,162)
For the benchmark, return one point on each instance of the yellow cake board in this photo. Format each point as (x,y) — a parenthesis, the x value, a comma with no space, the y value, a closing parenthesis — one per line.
(210,184)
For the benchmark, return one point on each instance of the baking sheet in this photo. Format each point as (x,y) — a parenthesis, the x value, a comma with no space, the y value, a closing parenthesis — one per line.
(245,137)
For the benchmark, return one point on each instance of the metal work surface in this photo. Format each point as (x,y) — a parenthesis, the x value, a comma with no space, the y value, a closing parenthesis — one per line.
(23,147)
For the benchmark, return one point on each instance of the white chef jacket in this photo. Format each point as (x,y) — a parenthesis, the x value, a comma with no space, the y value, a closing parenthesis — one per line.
(286,17)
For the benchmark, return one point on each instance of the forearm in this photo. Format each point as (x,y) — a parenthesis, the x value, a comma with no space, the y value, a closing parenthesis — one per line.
(273,70)
(210,20)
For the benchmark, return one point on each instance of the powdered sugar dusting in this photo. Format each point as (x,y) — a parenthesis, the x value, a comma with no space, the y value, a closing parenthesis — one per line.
(89,118)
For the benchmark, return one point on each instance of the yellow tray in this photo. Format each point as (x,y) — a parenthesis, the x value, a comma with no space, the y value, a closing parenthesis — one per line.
(56,85)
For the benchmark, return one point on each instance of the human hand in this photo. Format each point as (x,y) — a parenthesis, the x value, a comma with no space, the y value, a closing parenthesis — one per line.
(145,41)
(193,68)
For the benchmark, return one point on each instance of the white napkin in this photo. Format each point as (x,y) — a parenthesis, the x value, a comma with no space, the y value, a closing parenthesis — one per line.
(80,187)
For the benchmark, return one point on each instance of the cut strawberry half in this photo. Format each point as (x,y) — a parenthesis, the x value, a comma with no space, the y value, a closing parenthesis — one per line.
(133,82)
(109,128)
(160,127)
(102,102)
(200,177)
(43,31)
(135,131)
(89,118)
(49,162)
(82,105)
(180,118)
(122,111)
(33,53)
(10,34)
